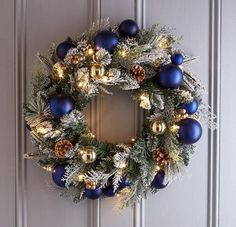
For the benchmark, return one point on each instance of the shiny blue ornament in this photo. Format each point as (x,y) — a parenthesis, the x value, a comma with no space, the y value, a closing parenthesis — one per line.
(106,40)
(177,59)
(190,131)
(57,175)
(63,48)
(123,183)
(159,180)
(93,193)
(128,28)
(109,191)
(191,107)
(61,105)
(170,76)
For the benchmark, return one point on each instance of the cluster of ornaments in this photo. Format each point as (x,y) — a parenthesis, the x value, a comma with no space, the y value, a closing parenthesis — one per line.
(170,76)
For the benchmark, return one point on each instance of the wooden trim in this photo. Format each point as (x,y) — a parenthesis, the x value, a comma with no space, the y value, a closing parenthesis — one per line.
(139,208)
(20,93)
(214,102)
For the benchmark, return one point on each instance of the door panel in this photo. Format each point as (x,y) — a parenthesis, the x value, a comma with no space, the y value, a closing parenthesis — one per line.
(204,196)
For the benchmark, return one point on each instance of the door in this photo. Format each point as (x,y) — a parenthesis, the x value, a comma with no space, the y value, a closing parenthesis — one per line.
(203,197)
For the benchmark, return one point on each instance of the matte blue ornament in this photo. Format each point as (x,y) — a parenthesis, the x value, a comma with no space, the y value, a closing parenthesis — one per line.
(57,175)
(128,28)
(106,40)
(63,48)
(93,193)
(123,183)
(190,131)
(61,105)
(177,59)
(109,191)
(191,107)
(159,180)
(170,76)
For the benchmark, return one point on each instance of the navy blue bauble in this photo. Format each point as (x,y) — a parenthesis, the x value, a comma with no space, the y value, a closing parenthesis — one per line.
(93,193)
(123,183)
(63,48)
(159,180)
(170,76)
(109,191)
(57,175)
(191,107)
(61,105)
(106,40)
(177,59)
(128,28)
(190,131)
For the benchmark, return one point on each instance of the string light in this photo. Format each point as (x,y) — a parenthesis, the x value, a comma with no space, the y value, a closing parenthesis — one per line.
(48,168)
(174,128)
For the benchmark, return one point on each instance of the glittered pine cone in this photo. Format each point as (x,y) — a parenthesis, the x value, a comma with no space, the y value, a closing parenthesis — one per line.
(62,147)
(161,157)
(137,72)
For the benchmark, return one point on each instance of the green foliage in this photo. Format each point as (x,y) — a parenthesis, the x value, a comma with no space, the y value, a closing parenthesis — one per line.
(113,160)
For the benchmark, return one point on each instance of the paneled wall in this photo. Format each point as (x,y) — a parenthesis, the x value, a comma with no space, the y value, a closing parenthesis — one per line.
(203,197)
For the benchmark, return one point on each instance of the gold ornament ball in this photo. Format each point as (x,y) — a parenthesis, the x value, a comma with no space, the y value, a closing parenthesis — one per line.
(181,115)
(97,71)
(90,185)
(158,127)
(88,155)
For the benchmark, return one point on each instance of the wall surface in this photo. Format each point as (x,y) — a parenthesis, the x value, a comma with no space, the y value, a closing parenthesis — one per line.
(204,197)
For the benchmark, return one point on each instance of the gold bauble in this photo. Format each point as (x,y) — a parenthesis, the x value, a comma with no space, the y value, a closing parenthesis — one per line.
(182,114)
(90,185)
(97,71)
(58,71)
(88,154)
(158,127)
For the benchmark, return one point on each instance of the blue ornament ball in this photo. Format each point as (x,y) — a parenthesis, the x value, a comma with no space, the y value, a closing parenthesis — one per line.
(191,107)
(106,40)
(177,59)
(123,183)
(128,28)
(61,105)
(63,48)
(190,131)
(159,180)
(93,193)
(109,191)
(170,76)
(57,175)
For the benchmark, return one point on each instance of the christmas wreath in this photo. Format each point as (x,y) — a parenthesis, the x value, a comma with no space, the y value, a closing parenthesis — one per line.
(146,62)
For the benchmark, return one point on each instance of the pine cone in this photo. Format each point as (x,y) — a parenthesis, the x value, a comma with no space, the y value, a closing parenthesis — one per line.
(161,157)
(137,72)
(62,147)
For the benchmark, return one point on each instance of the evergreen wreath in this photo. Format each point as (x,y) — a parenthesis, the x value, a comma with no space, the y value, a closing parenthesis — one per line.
(146,62)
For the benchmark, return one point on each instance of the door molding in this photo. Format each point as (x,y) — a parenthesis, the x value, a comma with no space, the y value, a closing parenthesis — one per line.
(20,94)
(215,30)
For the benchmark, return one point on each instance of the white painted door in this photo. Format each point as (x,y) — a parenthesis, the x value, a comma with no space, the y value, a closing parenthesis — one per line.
(204,197)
